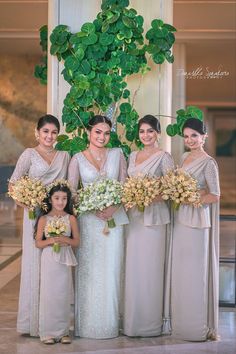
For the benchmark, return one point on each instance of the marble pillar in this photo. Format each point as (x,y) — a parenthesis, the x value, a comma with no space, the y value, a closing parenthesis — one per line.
(178,95)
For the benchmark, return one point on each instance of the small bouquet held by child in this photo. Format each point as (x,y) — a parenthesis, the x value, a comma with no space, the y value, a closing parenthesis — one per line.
(55,228)
(30,192)
(98,196)
(140,191)
(180,188)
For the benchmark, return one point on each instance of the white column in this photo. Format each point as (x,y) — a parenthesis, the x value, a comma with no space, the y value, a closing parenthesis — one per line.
(178,96)
(73,13)
(155,94)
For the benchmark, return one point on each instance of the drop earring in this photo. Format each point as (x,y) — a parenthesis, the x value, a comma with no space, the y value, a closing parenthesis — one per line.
(36,134)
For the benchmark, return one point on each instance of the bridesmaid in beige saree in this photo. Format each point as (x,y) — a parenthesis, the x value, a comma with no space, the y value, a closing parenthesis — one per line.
(47,164)
(195,266)
(147,242)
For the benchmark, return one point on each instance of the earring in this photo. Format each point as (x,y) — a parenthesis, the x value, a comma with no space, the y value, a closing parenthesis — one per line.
(36,134)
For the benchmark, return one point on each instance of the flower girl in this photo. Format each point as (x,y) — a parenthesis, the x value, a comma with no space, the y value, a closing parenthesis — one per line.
(56,232)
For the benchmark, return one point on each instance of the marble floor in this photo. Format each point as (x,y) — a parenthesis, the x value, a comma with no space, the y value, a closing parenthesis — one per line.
(13,343)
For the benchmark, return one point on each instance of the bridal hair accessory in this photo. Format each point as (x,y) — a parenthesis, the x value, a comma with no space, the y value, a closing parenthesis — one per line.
(58,182)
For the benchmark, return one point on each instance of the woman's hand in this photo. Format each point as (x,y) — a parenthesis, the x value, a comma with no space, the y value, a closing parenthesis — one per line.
(202,192)
(21,205)
(107,213)
(158,198)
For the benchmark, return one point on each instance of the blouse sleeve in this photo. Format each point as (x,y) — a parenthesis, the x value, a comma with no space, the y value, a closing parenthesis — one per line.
(167,163)
(22,166)
(73,173)
(212,177)
(123,168)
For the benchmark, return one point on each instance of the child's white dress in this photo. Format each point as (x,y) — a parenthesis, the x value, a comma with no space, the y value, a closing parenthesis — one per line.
(55,289)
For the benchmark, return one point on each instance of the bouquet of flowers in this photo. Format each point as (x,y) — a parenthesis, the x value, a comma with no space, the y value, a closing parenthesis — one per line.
(140,191)
(30,192)
(54,228)
(99,195)
(179,187)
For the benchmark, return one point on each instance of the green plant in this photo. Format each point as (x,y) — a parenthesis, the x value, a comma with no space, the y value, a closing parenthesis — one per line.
(182,116)
(40,71)
(97,61)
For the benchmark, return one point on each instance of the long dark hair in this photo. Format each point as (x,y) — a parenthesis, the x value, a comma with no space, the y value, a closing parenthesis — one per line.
(59,188)
(98,119)
(152,121)
(48,119)
(47,201)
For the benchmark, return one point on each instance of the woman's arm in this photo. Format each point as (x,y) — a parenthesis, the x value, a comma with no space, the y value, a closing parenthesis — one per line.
(209,198)
(39,242)
(73,174)
(211,173)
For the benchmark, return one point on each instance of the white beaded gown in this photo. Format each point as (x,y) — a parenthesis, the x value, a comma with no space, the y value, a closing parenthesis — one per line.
(147,252)
(98,276)
(195,264)
(30,162)
(55,288)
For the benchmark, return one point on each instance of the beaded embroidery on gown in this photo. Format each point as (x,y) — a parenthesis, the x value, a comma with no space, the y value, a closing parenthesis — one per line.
(195,279)
(31,163)
(100,258)
(55,288)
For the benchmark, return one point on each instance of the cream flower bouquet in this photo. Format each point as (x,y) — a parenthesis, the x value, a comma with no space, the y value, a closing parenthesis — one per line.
(30,192)
(55,228)
(180,188)
(140,191)
(99,195)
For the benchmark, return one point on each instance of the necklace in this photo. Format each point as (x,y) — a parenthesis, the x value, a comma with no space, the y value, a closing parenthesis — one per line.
(148,152)
(45,151)
(99,157)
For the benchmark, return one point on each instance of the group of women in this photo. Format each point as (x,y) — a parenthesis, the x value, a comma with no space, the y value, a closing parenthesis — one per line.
(154,273)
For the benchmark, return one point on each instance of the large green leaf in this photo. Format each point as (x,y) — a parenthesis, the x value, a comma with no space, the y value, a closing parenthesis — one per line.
(71,63)
(169,27)
(106,38)
(90,39)
(158,58)
(88,28)
(156,24)
(125,108)
(128,22)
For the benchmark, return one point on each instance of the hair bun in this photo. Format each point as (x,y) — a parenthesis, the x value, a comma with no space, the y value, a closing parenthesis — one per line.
(195,124)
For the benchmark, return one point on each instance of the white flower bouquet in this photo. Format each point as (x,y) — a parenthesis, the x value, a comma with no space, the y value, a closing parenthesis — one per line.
(179,187)
(55,228)
(140,191)
(99,195)
(30,192)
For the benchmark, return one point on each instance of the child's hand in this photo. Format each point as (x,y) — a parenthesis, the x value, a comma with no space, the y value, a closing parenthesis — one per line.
(62,240)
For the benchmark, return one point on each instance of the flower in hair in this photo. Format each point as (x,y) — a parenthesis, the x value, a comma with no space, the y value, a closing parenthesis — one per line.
(58,182)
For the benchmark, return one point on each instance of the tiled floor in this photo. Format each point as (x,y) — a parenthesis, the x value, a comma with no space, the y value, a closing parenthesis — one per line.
(13,343)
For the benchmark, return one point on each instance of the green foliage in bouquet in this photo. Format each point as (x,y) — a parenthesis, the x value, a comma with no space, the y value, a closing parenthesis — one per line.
(97,61)
(40,71)
(182,116)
